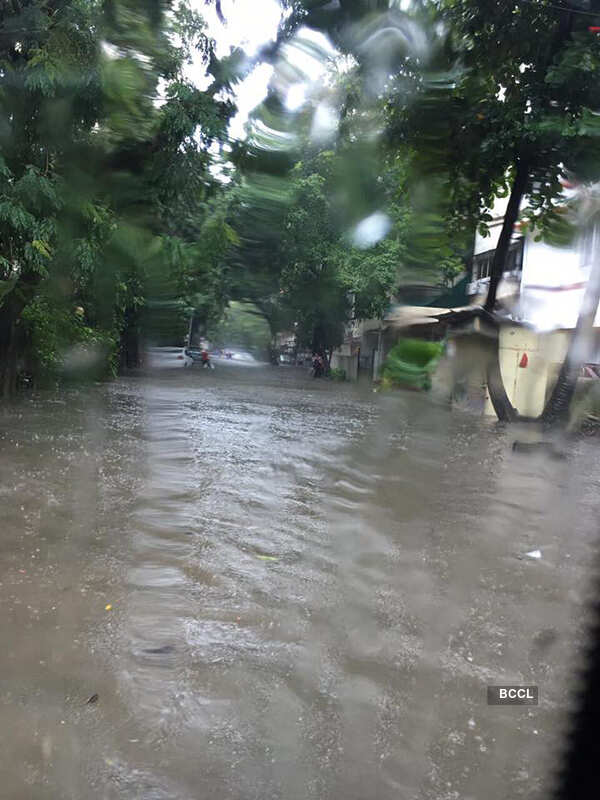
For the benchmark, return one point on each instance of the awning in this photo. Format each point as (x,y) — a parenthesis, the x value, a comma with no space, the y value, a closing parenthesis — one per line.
(406,316)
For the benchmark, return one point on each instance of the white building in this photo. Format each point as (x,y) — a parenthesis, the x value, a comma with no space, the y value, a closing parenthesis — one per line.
(542,290)
(544,285)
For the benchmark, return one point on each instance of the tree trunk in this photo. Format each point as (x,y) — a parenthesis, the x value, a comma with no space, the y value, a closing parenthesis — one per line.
(510,218)
(502,405)
(12,338)
(316,339)
(8,355)
(504,409)
(11,344)
(130,355)
(557,408)
(194,333)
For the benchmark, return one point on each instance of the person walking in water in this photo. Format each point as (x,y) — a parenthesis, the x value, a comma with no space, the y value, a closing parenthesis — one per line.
(317,365)
(205,358)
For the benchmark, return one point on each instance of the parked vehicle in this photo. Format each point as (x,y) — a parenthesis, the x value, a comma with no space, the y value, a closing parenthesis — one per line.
(242,355)
(168,357)
(193,353)
(200,356)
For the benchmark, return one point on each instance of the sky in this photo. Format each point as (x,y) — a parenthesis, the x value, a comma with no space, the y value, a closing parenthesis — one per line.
(298,74)
(249,25)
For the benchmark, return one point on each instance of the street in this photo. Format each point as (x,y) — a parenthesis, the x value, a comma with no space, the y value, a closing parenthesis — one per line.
(281,587)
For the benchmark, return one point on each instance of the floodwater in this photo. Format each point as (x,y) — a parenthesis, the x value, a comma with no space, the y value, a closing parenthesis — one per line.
(250,585)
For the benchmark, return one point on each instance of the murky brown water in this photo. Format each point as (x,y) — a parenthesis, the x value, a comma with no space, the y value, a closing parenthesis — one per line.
(310,586)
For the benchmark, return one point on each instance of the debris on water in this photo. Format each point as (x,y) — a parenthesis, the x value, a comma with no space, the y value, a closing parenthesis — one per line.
(534,554)
(471,723)
(166,648)
(536,447)
(93,699)
(108,607)
(267,558)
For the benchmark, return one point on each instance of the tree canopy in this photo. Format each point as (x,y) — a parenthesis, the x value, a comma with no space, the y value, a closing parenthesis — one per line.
(116,226)
(111,224)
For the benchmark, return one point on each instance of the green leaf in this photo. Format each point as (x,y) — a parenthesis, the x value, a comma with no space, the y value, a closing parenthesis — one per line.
(42,247)
(589,124)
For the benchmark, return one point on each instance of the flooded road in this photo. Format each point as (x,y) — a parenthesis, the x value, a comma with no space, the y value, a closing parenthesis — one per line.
(251,585)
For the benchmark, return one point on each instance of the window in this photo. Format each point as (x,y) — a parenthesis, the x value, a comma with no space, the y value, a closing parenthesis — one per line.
(482,262)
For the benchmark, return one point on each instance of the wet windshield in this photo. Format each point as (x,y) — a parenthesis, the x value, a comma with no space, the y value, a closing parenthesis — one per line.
(299,360)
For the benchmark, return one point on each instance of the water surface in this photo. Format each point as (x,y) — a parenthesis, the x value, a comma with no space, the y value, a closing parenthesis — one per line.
(281,588)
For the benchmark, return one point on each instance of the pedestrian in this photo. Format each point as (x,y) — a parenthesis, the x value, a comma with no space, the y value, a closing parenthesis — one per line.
(317,365)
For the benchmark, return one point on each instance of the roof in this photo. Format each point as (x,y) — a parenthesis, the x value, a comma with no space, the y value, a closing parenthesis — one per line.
(454,296)
(424,294)
(404,316)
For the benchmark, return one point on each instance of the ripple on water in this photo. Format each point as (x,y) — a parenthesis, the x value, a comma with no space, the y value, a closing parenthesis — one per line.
(309,587)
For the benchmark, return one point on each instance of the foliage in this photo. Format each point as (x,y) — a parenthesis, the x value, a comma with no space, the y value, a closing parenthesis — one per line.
(490,99)
(330,228)
(471,89)
(310,281)
(107,193)
(106,197)
(63,345)
(300,260)
(337,374)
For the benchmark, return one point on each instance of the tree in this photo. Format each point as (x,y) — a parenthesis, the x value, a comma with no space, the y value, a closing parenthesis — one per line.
(503,105)
(548,64)
(310,280)
(50,65)
(106,197)
(331,269)
(326,238)
(165,189)
(528,89)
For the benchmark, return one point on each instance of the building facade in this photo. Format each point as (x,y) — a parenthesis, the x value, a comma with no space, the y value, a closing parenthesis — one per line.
(541,295)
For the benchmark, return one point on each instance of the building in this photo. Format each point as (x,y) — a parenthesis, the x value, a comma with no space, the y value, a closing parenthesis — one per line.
(540,295)
(416,310)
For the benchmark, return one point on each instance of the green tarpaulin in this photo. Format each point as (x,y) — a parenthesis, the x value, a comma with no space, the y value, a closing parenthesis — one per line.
(411,363)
